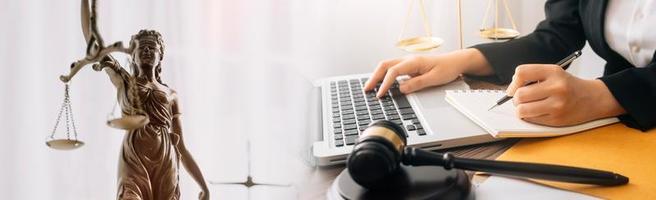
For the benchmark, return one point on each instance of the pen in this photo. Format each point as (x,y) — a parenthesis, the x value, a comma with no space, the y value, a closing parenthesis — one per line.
(562,63)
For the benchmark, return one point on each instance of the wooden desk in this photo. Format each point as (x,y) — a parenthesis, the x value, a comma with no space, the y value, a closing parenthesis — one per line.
(319,179)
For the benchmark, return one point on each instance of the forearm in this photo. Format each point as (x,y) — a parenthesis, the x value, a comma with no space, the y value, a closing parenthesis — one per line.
(472,62)
(187,160)
(192,168)
(116,73)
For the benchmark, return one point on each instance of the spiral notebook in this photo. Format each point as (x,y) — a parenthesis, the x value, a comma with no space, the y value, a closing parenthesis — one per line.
(501,122)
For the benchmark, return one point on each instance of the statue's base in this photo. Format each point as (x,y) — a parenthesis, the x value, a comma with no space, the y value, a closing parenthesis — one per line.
(425,182)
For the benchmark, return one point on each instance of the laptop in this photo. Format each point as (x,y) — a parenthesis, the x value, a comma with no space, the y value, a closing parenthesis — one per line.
(345,111)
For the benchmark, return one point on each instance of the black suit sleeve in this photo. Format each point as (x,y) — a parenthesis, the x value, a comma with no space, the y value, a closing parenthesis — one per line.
(635,90)
(559,35)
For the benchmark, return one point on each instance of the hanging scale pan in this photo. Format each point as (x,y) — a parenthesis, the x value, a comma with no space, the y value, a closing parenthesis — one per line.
(128,122)
(497,33)
(64,144)
(420,43)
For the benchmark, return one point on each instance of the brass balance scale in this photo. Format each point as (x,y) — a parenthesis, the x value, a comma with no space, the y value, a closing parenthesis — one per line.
(429,42)
(95,52)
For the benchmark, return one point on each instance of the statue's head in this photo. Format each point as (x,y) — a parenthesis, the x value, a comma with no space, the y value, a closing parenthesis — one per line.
(148,51)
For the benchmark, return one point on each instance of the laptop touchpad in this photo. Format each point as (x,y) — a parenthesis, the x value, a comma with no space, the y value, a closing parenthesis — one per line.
(440,116)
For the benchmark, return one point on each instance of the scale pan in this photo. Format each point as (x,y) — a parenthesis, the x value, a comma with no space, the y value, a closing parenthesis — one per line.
(64,144)
(499,33)
(129,122)
(419,44)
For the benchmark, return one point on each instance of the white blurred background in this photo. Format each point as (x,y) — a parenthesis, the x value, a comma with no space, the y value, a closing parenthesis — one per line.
(241,68)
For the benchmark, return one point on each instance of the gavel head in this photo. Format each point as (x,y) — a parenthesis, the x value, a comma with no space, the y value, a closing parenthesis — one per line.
(377,153)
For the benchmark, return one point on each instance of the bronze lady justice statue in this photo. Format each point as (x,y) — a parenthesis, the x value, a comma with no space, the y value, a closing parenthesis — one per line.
(153,145)
(150,155)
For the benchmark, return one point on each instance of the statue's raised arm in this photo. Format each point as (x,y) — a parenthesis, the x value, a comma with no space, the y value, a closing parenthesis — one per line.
(96,50)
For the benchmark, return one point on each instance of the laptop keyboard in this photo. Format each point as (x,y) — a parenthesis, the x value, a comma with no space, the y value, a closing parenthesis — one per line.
(353,110)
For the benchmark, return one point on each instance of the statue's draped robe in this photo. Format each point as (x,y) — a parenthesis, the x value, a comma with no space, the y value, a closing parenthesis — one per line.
(148,165)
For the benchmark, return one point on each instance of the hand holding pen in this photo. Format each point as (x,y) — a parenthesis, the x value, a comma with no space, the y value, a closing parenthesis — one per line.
(562,64)
(546,94)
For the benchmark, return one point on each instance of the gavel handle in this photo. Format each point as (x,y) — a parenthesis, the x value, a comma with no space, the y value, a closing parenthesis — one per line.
(418,157)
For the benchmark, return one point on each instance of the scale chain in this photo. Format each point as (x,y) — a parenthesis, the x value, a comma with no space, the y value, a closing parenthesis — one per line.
(61,109)
(67,109)
(70,109)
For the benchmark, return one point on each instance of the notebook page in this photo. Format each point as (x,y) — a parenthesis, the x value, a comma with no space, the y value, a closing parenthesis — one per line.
(502,121)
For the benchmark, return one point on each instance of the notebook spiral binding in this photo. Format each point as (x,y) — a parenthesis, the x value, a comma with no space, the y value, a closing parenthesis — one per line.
(478,91)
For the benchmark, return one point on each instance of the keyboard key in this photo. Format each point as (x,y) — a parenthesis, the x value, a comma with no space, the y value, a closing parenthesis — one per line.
(409,116)
(350,139)
(351,132)
(388,103)
(364,122)
(348,116)
(350,121)
(361,128)
(336,120)
(421,132)
(363,117)
(337,125)
(393,112)
(415,121)
(377,117)
(339,136)
(339,143)
(349,126)
(419,126)
(393,117)
(398,122)
(410,128)
(402,102)
(407,111)
(394,91)
(390,108)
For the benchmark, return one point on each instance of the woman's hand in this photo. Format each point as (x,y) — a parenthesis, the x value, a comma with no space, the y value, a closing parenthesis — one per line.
(559,99)
(427,70)
(106,61)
